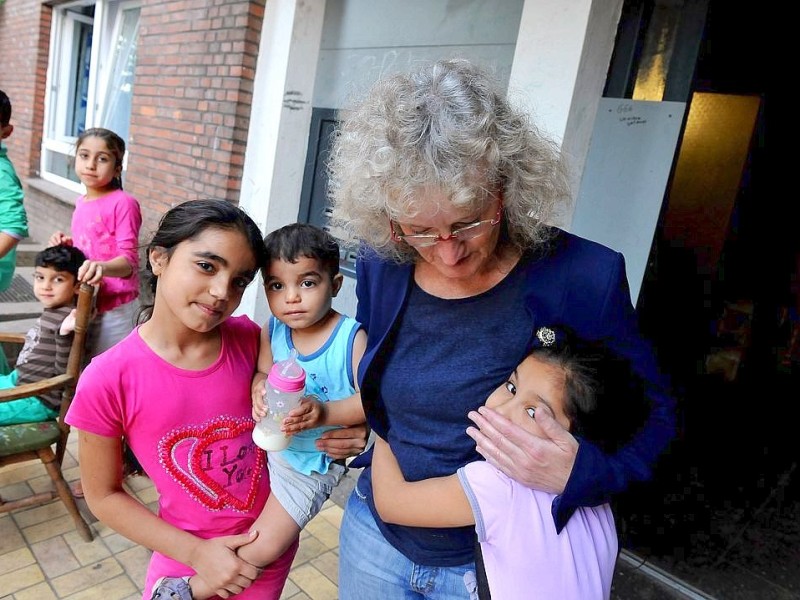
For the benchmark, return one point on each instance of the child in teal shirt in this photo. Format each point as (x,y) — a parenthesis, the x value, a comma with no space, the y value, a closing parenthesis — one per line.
(13,220)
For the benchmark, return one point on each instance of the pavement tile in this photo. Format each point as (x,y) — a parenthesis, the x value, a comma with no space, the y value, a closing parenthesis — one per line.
(86,578)
(22,578)
(148,495)
(70,461)
(310,548)
(21,472)
(290,590)
(48,529)
(10,536)
(41,484)
(328,565)
(332,514)
(16,559)
(71,473)
(40,514)
(15,491)
(55,556)
(87,552)
(325,532)
(139,483)
(112,589)
(41,591)
(135,561)
(314,583)
(116,542)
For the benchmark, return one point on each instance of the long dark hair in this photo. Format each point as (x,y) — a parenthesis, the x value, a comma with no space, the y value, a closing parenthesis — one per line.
(188,220)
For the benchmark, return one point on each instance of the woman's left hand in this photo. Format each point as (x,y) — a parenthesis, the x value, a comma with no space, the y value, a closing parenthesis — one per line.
(344,442)
(540,463)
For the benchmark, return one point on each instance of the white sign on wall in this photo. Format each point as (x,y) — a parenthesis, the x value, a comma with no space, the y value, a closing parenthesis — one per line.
(627,168)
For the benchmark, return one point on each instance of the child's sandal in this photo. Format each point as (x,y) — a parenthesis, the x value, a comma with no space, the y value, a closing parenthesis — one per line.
(172,588)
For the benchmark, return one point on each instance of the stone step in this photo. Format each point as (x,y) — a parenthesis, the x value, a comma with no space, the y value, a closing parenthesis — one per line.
(27,250)
(18,302)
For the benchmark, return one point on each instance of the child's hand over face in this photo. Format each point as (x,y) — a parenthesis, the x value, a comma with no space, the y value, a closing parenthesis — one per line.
(257,391)
(310,414)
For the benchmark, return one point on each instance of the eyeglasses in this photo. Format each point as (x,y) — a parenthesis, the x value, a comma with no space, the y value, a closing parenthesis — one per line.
(467,232)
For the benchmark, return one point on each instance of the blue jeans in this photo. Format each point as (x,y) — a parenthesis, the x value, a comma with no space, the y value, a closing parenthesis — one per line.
(369,567)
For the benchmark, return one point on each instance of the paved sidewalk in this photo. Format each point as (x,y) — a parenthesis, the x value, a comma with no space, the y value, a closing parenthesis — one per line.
(43,558)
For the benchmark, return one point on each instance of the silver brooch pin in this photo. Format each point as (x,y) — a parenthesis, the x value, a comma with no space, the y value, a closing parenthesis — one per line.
(546,335)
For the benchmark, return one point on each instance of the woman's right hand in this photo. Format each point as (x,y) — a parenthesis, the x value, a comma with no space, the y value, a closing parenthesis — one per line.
(217,563)
(540,463)
(344,442)
(59,238)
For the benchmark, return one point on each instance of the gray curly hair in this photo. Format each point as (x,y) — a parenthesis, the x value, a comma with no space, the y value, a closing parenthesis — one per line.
(449,127)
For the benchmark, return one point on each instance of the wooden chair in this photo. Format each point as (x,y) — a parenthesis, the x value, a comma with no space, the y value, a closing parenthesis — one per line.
(32,441)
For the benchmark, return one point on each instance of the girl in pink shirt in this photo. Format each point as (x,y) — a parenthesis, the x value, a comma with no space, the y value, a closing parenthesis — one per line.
(177,389)
(105,225)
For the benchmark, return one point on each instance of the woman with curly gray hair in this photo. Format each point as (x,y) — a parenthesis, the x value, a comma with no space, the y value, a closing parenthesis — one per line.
(450,191)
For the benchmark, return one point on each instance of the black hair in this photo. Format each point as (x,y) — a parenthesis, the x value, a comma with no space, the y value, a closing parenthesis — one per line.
(189,219)
(116,145)
(290,242)
(603,399)
(5,109)
(61,258)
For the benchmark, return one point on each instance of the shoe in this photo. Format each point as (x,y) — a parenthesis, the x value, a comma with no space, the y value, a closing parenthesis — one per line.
(172,588)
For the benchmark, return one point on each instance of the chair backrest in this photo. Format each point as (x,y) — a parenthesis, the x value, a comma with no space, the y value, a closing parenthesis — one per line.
(75,364)
(34,441)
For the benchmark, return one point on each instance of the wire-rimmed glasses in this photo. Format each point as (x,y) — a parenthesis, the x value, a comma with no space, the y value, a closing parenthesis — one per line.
(467,232)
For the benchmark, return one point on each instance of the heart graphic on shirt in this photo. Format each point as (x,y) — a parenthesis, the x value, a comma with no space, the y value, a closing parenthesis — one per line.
(209,465)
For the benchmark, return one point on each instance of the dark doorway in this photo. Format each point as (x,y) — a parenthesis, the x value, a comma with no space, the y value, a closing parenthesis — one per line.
(720,299)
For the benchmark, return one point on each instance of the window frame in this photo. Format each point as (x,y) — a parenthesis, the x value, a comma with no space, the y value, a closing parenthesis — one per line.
(105,29)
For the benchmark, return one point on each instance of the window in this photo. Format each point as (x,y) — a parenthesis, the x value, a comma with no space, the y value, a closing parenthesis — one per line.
(90,79)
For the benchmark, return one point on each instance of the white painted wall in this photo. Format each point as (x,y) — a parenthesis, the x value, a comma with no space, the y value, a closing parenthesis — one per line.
(559,71)
(363,40)
(554,54)
(279,122)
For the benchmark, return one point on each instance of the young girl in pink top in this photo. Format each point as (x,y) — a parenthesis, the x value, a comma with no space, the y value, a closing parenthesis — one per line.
(177,388)
(105,225)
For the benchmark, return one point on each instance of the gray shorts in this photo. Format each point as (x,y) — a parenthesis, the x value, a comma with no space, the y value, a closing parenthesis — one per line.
(302,496)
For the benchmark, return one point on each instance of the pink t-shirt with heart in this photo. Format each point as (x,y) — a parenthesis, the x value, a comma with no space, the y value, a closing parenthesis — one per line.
(191,431)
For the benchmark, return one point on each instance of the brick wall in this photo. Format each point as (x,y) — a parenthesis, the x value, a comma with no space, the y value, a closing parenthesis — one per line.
(192,93)
(191,102)
(24,44)
(49,209)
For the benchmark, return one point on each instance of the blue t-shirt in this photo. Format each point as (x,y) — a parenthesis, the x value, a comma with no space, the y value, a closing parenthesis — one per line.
(482,338)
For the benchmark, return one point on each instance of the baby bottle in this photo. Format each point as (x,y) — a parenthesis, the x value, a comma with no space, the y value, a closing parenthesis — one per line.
(285,386)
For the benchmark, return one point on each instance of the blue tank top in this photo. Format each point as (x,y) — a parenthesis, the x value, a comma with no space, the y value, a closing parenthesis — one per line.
(448,356)
(329,376)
